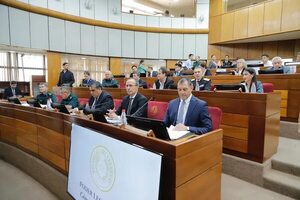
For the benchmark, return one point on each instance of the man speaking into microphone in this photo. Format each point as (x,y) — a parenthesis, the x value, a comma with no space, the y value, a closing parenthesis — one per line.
(133,103)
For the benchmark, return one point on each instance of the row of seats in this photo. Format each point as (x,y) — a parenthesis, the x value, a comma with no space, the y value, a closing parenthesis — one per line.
(157,110)
(268,87)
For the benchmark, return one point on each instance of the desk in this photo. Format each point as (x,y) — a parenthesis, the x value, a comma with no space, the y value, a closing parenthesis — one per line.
(250,121)
(190,169)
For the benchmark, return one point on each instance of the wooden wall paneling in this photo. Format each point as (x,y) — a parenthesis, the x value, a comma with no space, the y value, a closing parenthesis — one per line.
(235,144)
(270,48)
(115,66)
(214,50)
(240,29)
(286,48)
(53,158)
(216,7)
(214,29)
(297,47)
(170,64)
(235,132)
(226,50)
(256,20)
(290,15)
(227,26)
(8,133)
(272,16)
(271,135)
(294,104)
(240,50)
(54,68)
(235,120)
(255,50)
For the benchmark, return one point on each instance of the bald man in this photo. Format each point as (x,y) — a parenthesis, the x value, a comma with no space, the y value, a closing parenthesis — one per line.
(109,81)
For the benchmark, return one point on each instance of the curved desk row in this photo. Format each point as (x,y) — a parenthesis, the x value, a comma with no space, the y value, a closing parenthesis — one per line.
(191,169)
(250,121)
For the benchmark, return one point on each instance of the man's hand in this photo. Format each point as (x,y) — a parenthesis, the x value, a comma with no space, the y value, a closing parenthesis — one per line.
(112,114)
(180,127)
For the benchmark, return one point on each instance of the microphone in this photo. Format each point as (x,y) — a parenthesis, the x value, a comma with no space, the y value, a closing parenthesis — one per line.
(138,110)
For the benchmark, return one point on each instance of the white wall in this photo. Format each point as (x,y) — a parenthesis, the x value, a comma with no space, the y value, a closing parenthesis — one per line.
(31,30)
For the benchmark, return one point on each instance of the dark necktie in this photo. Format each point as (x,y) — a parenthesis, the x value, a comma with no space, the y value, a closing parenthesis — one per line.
(129,105)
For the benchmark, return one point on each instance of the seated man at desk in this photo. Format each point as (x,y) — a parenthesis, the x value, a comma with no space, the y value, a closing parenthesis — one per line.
(109,81)
(187,112)
(277,65)
(44,95)
(135,104)
(99,102)
(68,98)
(142,83)
(162,81)
(12,90)
(87,81)
(200,83)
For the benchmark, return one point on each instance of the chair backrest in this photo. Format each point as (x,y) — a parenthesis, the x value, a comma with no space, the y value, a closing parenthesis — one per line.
(58,98)
(117,103)
(268,87)
(216,116)
(122,85)
(157,109)
(83,101)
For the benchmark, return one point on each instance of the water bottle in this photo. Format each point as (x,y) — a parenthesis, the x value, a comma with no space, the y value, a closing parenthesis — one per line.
(123,117)
(49,107)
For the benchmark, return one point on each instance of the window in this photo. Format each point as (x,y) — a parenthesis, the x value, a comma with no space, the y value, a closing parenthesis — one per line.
(78,64)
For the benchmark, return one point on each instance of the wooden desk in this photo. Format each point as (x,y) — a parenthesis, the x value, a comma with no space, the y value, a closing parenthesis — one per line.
(250,121)
(190,170)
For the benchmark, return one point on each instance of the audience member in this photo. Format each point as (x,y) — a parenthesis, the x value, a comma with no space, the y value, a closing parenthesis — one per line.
(109,81)
(87,81)
(251,84)
(142,69)
(68,98)
(205,71)
(66,77)
(162,81)
(197,62)
(187,112)
(100,101)
(142,83)
(241,65)
(226,62)
(213,62)
(200,83)
(189,61)
(277,65)
(265,59)
(134,103)
(178,69)
(151,73)
(12,91)
(133,69)
(45,95)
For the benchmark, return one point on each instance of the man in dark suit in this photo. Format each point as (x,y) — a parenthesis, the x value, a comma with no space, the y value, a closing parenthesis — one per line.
(162,81)
(178,69)
(188,113)
(87,81)
(12,91)
(200,83)
(66,77)
(142,83)
(132,103)
(100,101)
(151,73)
(109,81)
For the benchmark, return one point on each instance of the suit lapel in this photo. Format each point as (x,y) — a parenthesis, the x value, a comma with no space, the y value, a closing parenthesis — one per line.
(190,109)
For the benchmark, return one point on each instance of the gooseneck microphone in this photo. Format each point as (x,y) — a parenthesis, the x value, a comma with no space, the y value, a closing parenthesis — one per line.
(138,110)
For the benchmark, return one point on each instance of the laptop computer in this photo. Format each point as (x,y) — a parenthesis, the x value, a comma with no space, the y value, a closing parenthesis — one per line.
(14,100)
(230,87)
(37,104)
(63,109)
(99,117)
(158,127)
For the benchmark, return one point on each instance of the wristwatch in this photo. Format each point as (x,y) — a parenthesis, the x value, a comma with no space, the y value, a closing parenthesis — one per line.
(188,128)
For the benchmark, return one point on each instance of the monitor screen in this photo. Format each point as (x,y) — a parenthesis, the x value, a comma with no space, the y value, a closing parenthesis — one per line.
(102,167)
(230,87)
(158,127)
(14,100)
(63,109)
(279,71)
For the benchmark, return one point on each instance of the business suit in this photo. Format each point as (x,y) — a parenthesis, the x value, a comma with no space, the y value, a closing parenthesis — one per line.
(204,84)
(152,74)
(87,83)
(197,117)
(167,85)
(142,84)
(110,83)
(8,92)
(66,78)
(137,103)
(103,103)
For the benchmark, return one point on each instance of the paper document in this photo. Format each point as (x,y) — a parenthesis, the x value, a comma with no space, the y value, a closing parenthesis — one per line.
(173,134)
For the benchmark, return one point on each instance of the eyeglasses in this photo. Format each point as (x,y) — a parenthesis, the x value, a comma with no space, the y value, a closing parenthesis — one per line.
(130,85)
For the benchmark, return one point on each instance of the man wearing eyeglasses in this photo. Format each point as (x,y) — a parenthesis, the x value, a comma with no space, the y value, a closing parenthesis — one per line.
(277,65)
(132,102)
(99,102)
(200,83)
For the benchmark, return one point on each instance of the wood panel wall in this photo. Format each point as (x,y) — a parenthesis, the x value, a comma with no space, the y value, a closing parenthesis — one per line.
(54,68)
(115,66)
(284,49)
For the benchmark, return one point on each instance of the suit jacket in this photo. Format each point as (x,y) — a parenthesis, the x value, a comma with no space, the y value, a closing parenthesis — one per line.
(66,78)
(103,103)
(139,101)
(168,84)
(110,83)
(70,100)
(43,98)
(204,84)
(142,84)
(154,74)
(197,117)
(8,92)
(87,83)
